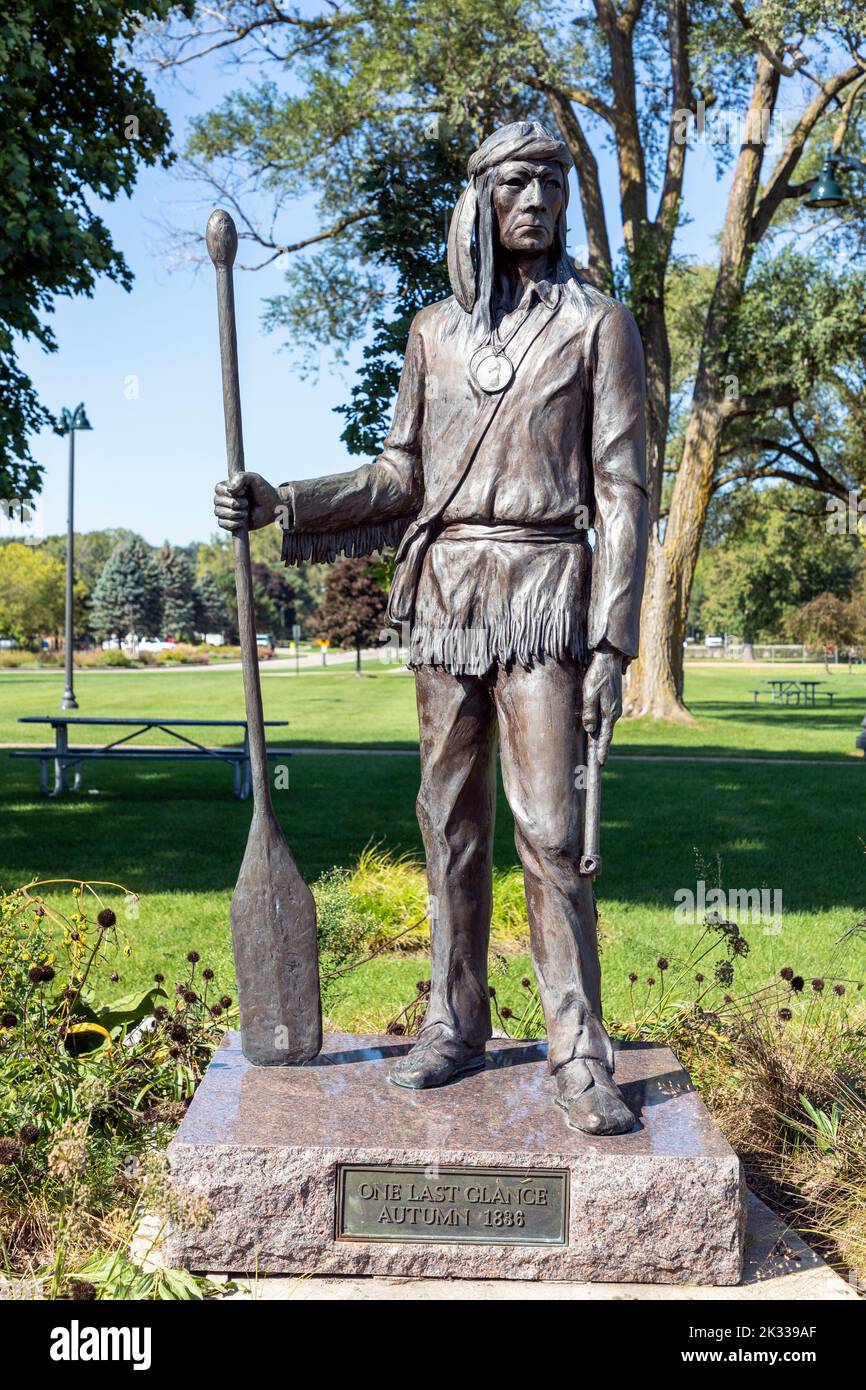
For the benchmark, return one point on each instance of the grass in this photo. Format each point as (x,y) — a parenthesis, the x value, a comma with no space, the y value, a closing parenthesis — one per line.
(176,835)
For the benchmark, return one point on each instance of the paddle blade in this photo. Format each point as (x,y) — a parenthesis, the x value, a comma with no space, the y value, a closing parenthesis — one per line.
(273,920)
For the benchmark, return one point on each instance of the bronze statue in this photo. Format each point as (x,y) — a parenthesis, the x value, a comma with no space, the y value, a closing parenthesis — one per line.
(518,427)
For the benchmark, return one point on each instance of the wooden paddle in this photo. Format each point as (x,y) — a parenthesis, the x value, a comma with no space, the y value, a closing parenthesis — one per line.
(273,915)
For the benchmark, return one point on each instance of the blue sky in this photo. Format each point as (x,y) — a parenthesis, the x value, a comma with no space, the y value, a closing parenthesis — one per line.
(152,459)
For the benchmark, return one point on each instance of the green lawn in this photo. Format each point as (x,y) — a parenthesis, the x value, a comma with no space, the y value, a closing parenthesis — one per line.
(176,835)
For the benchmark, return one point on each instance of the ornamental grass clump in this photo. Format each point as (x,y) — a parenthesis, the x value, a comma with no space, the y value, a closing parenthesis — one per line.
(92,1082)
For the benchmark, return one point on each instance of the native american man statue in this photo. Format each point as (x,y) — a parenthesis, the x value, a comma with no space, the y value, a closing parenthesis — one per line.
(518,427)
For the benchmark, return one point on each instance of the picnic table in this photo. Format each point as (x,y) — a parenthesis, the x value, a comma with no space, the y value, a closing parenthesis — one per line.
(786,688)
(66,757)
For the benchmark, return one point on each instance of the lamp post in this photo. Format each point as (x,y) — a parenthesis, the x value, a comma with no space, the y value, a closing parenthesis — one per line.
(70,421)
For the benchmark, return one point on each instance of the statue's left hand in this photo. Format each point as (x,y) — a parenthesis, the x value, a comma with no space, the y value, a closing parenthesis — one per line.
(602,697)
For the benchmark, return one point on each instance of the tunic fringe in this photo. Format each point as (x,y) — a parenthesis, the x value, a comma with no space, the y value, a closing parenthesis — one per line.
(323,547)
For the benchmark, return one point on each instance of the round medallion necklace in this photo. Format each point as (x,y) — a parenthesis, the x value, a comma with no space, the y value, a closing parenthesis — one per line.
(490,365)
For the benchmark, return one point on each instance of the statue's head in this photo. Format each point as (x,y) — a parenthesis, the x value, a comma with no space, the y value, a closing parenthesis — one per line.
(514,205)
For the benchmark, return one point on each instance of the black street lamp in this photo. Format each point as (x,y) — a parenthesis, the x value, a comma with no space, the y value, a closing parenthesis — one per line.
(70,421)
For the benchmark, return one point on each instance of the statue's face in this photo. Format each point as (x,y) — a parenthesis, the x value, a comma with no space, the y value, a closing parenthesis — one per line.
(527,200)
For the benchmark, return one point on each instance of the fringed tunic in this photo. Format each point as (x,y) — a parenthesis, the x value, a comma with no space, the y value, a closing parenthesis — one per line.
(511,576)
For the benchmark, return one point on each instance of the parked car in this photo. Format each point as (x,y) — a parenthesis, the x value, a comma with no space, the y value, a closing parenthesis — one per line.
(8,644)
(266,639)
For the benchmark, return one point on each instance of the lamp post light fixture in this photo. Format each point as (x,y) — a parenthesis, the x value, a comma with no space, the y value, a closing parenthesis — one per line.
(825,191)
(70,421)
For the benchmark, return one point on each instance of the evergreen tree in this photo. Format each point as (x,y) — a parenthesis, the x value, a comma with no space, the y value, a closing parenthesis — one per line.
(177,580)
(128,594)
(353,613)
(211,609)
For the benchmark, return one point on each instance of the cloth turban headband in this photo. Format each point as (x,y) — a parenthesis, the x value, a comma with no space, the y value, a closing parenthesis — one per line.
(528,140)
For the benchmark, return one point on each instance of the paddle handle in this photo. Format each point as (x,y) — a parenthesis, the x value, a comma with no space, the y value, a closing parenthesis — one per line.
(222,244)
(590,862)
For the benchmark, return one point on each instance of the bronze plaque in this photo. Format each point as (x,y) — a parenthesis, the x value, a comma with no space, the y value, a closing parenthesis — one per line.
(499,1206)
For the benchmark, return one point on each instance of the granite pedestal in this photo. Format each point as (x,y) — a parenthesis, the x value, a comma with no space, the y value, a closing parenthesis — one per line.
(329,1169)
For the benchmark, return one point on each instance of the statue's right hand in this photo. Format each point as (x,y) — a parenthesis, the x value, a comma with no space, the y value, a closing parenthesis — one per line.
(245,502)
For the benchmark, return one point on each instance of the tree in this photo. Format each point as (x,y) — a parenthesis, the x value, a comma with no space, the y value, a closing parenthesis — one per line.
(643,77)
(128,595)
(32,592)
(211,610)
(76,121)
(772,555)
(825,621)
(353,613)
(177,592)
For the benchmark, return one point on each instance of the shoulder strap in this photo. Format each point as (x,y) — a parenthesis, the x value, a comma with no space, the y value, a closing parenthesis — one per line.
(483,420)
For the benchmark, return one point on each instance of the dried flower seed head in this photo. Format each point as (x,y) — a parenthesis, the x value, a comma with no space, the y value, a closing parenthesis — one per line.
(797,984)
(160,979)
(226,1001)
(114,977)
(785,1015)
(106,918)
(10,1150)
(526,982)
(193,957)
(839,990)
(207,973)
(786,973)
(190,996)
(700,978)
(818,985)
(662,963)
(8,1019)
(28,1134)
(174,1050)
(632,978)
(505,1012)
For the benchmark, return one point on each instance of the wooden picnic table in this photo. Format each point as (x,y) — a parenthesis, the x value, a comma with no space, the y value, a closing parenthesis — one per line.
(65,757)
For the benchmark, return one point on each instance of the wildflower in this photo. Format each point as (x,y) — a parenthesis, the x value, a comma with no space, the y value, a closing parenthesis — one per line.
(114,977)
(80,1291)
(492,992)
(700,978)
(190,996)
(724,972)
(632,978)
(68,1156)
(207,973)
(526,982)
(397,1029)
(505,1012)
(786,973)
(839,990)
(34,974)
(106,918)
(226,1001)
(818,985)
(785,1015)
(650,980)
(10,1151)
(178,1033)
(662,963)
(216,1010)
(159,979)
(174,1050)
(28,1134)
(192,957)
(47,973)
(160,1012)
(797,984)
(738,946)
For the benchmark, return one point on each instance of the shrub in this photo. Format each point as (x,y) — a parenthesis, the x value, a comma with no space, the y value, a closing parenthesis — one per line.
(93,1084)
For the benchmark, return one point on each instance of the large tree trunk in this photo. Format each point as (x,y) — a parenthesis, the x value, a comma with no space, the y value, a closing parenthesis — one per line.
(654,684)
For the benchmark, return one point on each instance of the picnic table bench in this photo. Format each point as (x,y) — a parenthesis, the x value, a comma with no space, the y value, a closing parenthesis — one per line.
(66,758)
(784,690)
